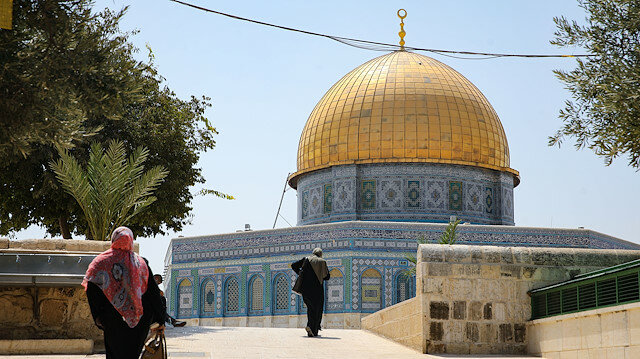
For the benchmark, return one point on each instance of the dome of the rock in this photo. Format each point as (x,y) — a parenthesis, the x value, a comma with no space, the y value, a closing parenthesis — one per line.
(404,137)
(403,107)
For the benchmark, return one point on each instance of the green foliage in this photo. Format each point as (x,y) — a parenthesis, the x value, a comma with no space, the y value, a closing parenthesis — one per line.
(118,98)
(112,189)
(604,114)
(61,64)
(449,236)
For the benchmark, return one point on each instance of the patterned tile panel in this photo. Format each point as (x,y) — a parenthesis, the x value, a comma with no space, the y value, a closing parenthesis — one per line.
(413,196)
(368,194)
(455,195)
(390,194)
(328,198)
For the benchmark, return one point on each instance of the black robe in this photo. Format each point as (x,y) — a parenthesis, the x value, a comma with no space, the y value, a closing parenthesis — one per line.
(120,341)
(312,293)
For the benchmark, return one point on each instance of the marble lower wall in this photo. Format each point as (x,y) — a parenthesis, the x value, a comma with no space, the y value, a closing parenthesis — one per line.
(329,320)
(612,332)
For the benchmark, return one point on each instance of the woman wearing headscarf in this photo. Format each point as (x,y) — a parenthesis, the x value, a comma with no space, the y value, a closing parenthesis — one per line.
(315,272)
(123,300)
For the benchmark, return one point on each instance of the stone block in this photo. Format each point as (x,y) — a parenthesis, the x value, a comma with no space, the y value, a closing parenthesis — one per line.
(620,331)
(457,348)
(461,288)
(432,253)
(488,271)
(510,271)
(487,312)
(633,317)
(475,310)
(457,254)
(436,332)
(499,311)
(569,354)
(459,310)
(433,285)
(472,333)
(435,348)
(590,332)
(477,255)
(16,307)
(53,312)
(439,310)
(488,333)
(520,332)
(46,346)
(632,352)
(440,269)
(607,327)
(528,272)
(615,352)
(505,333)
(571,337)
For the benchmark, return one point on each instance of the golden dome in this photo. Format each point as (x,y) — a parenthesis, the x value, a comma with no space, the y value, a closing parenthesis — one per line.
(403,107)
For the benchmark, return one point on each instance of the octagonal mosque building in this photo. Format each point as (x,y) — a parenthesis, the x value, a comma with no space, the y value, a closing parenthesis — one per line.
(390,153)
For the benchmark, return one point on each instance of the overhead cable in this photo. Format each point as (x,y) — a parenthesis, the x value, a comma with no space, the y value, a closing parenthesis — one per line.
(381,46)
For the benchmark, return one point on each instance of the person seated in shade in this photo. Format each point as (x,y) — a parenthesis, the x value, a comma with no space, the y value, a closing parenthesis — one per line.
(314,272)
(123,301)
(169,319)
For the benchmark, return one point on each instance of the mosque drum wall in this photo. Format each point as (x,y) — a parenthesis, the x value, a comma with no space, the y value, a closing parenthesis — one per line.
(406,192)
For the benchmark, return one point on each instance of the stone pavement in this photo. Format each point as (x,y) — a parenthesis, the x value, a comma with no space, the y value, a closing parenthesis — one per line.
(267,343)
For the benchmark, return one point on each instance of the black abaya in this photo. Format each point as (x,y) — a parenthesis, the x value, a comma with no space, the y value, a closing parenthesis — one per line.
(312,293)
(121,341)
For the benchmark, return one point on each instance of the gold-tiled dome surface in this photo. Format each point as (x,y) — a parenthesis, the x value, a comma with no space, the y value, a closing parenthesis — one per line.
(403,107)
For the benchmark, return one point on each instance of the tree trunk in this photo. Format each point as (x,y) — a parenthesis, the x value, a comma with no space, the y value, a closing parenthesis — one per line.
(64,227)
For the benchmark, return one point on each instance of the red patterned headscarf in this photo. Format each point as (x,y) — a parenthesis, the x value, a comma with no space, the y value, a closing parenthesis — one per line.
(122,275)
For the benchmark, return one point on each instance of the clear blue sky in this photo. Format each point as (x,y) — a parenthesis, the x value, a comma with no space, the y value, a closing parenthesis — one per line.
(264,83)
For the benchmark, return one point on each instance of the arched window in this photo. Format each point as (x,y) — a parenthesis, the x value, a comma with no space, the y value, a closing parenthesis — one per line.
(282,291)
(207,304)
(371,290)
(405,287)
(256,288)
(185,298)
(231,295)
(335,291)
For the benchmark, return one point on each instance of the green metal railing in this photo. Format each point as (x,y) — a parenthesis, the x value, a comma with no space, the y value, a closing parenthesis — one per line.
(602,288)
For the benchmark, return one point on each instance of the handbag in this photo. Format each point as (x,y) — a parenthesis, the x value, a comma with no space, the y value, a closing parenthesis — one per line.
(297,286)
(155,347)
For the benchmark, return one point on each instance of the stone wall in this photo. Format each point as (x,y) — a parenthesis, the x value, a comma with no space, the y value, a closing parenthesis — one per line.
(401,322)
(474,298)
(612,332)
(47,312)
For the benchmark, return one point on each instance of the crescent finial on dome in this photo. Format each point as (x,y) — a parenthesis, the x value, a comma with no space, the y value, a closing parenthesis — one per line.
(402,33)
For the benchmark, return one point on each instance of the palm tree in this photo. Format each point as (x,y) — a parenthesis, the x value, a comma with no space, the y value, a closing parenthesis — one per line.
(112,188)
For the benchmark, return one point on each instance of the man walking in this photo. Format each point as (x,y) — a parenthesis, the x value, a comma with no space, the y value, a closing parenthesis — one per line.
(314,272)
(168,318)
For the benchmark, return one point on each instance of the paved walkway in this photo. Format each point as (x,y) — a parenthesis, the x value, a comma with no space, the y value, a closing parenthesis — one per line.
(272,343)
